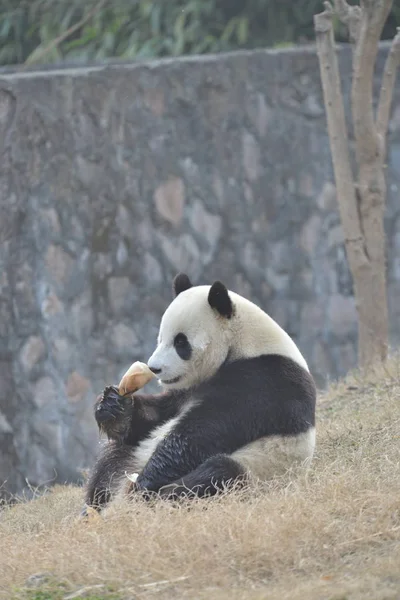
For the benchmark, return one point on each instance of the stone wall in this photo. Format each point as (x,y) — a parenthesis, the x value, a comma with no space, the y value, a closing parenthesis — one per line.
(115,177)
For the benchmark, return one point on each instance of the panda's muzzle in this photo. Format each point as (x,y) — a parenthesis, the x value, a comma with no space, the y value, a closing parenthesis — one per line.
(170,381)
(158,368)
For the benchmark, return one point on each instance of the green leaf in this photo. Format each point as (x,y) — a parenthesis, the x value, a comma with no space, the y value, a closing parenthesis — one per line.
(243,30)
(68,18)
(155,20)
(32,58)
(108,41)
(5,26)
(228,31)
(145,8)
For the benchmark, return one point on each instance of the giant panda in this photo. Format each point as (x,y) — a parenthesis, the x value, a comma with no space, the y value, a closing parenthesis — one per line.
(237,403)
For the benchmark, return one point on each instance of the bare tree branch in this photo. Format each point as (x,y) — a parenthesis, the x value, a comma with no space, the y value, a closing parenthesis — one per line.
(338,136)
(372,21)
(388,80)
(349,16)
(376,8)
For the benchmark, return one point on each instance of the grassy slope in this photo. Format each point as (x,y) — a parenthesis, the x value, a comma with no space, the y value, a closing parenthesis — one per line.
(333,533)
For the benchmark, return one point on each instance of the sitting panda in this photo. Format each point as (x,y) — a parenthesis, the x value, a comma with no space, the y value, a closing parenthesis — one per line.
(238,401)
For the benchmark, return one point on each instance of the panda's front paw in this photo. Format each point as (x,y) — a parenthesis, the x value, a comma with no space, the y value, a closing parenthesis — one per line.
(113,412)
(108,405)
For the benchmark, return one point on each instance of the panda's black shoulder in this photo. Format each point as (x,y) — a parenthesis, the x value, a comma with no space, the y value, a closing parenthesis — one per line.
(273,369)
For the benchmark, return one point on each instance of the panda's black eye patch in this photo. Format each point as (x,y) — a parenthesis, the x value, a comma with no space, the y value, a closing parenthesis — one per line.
(182,346)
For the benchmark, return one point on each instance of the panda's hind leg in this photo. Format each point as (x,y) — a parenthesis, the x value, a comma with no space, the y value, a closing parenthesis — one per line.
(107,475)
(216,474)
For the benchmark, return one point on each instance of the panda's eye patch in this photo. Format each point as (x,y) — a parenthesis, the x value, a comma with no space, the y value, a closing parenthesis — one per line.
(182,346)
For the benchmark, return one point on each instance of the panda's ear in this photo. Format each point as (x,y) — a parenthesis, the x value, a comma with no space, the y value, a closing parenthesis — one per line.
(218,298)
(180,284)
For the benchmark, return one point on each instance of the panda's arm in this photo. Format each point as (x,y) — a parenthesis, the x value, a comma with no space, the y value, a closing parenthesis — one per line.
(129,419)
(149,412)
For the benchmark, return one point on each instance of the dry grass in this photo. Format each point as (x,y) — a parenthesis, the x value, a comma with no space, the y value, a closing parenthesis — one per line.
(332,533)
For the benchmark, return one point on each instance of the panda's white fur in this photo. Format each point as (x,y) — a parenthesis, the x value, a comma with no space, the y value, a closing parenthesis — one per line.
(271,456)
(217,340)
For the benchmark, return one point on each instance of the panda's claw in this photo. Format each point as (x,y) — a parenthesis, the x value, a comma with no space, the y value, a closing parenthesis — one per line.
(175,492)
(110,405)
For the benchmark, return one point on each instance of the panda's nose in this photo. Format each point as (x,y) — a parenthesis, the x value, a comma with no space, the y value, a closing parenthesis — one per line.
(154,364)
(155,371)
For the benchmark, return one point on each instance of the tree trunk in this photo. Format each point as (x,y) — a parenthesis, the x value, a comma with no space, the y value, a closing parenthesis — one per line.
(370,292)
(371,279)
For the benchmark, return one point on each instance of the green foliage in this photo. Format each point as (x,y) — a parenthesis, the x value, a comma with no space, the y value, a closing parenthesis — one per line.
(59,591)
(48,31)
(59,595)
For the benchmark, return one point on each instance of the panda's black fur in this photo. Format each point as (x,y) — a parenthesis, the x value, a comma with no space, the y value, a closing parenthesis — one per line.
(247,400)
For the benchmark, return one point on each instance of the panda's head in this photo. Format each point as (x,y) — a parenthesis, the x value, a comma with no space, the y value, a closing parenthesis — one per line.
(194,336)
(206,325)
